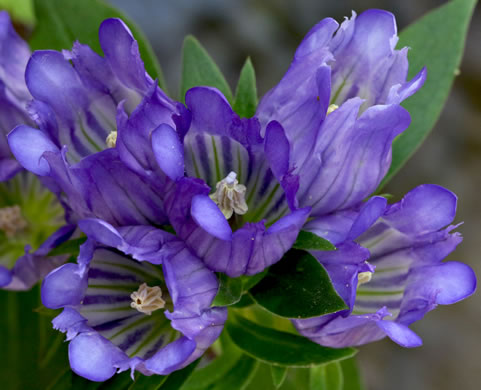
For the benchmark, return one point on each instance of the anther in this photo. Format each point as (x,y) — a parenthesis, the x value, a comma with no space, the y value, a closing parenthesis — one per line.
(11,220)
(147,299)
(331,108)
(111,139)
(230,196)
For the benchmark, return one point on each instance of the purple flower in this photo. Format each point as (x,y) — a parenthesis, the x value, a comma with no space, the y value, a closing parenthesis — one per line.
(404,277)
(119,313)
(220,195)
(14,95)
(338,109)
(75,99)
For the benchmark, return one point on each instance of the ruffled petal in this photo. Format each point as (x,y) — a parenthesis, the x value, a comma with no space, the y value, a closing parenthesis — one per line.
(93,357)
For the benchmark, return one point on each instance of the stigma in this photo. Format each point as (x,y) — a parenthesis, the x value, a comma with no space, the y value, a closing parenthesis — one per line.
(111,139)
(11,220)
(363,278)
(230,196)
(331,108)
(147,299)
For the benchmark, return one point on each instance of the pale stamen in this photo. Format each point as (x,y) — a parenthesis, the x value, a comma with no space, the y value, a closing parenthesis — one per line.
(230,196)
(331,108)
(363,278)
(147,299)
(11,220)
(111,139)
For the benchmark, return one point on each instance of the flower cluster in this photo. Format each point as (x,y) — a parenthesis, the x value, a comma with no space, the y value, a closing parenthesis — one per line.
(167,194)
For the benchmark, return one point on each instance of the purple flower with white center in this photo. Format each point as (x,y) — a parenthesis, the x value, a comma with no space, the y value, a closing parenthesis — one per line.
(220,194)
(75,99)
(119,313)
(404,277)
(14,95)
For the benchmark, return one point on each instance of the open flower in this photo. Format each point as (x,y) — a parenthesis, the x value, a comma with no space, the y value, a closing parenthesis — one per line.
(404,277)
(220,195)
(119,313)
(75,99)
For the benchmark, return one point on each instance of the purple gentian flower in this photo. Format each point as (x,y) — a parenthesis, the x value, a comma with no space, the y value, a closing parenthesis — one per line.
(220,195)
(14,95)
(404,277)
(75,99)
(151,316)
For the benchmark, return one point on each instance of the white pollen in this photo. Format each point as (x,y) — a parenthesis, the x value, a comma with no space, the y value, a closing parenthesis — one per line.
(11,220)
(331,108)
(147,299)
(363,278)
(230,196)
(111,139)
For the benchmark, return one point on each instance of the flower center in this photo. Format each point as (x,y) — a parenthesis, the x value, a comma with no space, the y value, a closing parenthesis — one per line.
(331,108)
(111,139)
(147,299)
(11,220)
(230,196)
(363,278)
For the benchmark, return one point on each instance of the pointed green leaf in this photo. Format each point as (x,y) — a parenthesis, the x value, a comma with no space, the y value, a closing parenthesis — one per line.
(279,375)
(280,348)
(437,42)
(327,377)
(245,102)
(61,22)
(198,68)
(298,286)
(310,241)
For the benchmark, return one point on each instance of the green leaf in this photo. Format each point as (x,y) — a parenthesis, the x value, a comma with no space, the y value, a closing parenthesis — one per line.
(143,382)
(310,241)
(19,10)
(198,68)
(437,42)
(239,376)
(70,247)
(245,301)
(230,290)
(214,371)
(176,380)
(280,348)
(298,286)
(279,375)
(327,377)
(32,353)
(245,102)
(352,376)
(61,22)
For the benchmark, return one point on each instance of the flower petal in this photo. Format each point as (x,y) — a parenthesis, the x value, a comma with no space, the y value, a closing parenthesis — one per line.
(28,146)
(168,151)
